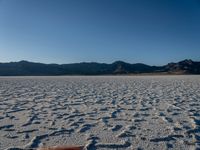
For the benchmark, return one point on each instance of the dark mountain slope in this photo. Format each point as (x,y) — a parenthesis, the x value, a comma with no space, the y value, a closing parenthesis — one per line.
(185,66)
(93,68)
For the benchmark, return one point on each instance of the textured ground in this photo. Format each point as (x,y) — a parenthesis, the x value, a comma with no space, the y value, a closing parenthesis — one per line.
(111,112)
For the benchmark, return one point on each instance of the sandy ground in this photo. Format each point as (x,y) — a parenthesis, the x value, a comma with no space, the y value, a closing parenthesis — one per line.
(103,112)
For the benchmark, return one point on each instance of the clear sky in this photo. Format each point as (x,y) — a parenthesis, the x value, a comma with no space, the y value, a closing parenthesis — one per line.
(65,31)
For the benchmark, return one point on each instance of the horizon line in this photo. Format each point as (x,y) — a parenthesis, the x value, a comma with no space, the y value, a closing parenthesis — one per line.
(187,59)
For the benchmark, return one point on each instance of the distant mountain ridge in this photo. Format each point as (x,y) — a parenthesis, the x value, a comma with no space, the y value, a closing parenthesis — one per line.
(26,68)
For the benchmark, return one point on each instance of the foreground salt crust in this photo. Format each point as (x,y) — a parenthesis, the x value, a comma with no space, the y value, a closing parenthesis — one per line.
(105,112)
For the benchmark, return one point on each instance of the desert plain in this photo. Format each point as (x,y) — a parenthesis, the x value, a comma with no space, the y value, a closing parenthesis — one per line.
(100,112)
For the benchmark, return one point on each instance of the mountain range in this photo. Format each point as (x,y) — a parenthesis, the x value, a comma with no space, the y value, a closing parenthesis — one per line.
(26,68)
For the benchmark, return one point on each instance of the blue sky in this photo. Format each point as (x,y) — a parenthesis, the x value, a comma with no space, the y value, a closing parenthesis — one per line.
(65,31)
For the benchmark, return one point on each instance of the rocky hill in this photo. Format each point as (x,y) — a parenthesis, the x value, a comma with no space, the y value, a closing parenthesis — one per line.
(25,68)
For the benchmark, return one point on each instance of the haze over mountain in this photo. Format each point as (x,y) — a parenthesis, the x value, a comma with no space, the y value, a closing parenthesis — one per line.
(26,68)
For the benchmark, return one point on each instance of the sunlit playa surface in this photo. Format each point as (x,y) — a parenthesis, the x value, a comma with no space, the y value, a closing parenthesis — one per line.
(103,112)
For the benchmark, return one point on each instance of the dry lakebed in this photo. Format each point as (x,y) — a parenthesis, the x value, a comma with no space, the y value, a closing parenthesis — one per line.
(100,112)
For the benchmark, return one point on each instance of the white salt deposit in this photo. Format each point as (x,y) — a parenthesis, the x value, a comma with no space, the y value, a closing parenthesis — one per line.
(102,112)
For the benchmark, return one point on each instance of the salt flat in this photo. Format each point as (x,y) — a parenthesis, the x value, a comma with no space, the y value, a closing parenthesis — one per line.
(102,112)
